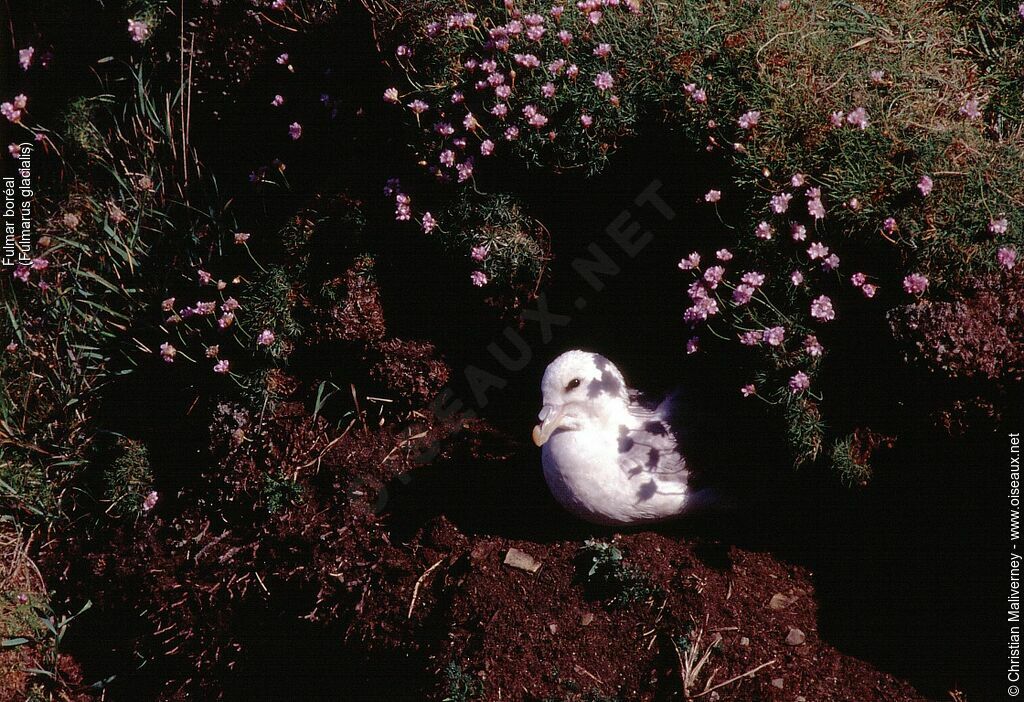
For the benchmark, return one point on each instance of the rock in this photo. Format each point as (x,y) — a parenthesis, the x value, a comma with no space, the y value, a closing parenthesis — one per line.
(553,628)
(744,641)
(780,601)
(522,560)
(778,682)
(795,637)
(801,698)
(586,619)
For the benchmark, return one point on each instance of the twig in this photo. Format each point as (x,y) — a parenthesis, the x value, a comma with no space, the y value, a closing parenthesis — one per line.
(416,588)
(731,680)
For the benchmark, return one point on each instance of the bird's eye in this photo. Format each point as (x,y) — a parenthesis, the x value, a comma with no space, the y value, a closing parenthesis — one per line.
(573,384)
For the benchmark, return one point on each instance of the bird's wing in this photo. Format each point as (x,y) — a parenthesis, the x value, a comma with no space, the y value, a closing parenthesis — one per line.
(649,446)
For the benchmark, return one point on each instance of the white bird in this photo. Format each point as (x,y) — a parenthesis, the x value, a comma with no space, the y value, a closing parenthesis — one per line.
(607,458)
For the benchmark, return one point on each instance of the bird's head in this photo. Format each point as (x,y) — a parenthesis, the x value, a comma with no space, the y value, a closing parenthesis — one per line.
(579,386)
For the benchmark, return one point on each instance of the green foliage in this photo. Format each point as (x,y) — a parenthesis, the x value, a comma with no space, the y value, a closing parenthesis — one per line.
(128,480)
(461,685)
(605,575)
(849,467)
(279,492)
(516,244)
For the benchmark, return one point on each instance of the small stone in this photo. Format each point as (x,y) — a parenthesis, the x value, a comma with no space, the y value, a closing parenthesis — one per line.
(795,637)
(801,698)
(778,682)
(744,641)
(553,628)
(780,601)
(586,619)
(522,560)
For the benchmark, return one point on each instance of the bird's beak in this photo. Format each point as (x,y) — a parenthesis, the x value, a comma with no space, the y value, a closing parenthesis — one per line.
(550,419)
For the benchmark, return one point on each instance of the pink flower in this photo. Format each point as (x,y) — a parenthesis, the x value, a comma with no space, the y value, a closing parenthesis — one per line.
(604,81)
(226,320)
(265,338)
(241,237)
(999,226)
(796,278)
(565,37)
(815,208)
(858,279)
(556,11)
(391,95)
(167,305)
(556,66)
(428,224)
(168,352)
(512,133)
(821,309)
(547,90)
(780,202)
(602,50)
(763,231)
(295,130)
(830,263)
(712,196)
(478,278)
(915,283)
(1007,257)
(282,59)
(222,366)
(858,118)
(204,277)
(742,294)
(690,262)
(970,109)
(723,255)
(748,390)
(877,77)
(713,276)
(418,106)
(486,147)
(22,273)
(749,120)
(799,382)
(869,290)
(25,57)
(572,71)
(527,60)
(925,185)
(479,253)
(699,96)
(213,351)
(39,264)
(751,338)
(693,345)
(774,336)
(797,180)
(817,250)
(8,110)
(753,279)
(812,346)
(836,118)
(595,17)
(586,120)
(138,30)
(14,150)
(403,207)
(277,101)
(889,225)
(797,231)
(150,501)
